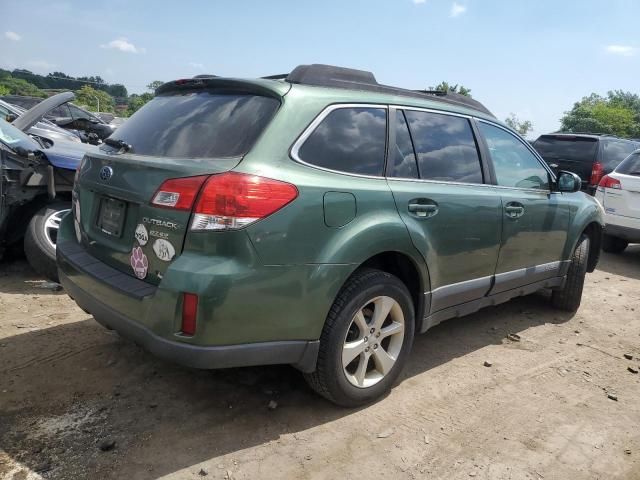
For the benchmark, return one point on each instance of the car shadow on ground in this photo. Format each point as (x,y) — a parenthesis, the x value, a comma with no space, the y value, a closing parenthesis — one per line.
(99,386)
(626,264)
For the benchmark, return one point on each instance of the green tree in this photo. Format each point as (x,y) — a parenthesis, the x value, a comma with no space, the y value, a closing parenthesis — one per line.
(618,113)
(137,101)
(90,98)
(154,85)
(457,88)
(4,90)
(521,126)
(18,86)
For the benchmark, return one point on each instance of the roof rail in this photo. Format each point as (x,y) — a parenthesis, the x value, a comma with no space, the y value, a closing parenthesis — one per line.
(339,77)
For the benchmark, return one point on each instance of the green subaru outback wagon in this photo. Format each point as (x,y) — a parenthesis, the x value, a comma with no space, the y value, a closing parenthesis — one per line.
(318,219)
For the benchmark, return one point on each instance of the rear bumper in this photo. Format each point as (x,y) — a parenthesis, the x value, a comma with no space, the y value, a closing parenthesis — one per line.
(301,354)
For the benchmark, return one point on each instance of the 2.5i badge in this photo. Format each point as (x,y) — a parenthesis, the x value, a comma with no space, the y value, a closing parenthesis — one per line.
(139,263)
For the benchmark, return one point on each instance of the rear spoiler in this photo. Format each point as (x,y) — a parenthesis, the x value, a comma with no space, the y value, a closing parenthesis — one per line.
(258,87)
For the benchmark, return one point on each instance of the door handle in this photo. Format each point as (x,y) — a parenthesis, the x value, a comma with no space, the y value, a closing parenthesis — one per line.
(423,210)
(514,209)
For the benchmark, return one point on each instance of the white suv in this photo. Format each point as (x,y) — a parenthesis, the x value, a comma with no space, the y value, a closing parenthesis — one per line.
(619,194)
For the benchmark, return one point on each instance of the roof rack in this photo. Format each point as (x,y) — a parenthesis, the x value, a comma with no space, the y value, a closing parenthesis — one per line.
(339,77)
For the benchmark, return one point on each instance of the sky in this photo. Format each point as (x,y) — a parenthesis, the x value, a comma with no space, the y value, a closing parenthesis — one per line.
(530,58)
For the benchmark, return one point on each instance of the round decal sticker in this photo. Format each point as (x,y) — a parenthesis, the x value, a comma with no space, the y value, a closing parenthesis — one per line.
(163,250)
(141,234)
(139,262)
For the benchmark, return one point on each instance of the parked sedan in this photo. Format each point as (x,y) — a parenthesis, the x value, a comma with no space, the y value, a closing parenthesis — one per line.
(43,128)
(619,194)
(70,117)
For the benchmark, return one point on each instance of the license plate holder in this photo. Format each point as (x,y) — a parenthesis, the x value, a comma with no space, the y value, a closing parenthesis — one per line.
(111,216)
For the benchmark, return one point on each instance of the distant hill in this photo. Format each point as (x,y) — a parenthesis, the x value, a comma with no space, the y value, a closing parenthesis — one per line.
(62,81)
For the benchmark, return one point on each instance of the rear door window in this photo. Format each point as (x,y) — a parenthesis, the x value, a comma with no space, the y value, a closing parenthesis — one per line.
(350,139)
(614,151)
(200,124)
(631,166)
(445,146)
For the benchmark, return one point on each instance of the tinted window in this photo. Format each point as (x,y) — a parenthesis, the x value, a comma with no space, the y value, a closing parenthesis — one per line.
(403,159)
(445,147)
(567,147)
(78,113)
(349,140)
(61,111)
(513,162)
(197,125)
(631,166)
(614,151)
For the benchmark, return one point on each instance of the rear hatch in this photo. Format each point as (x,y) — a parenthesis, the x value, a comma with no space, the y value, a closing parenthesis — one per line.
(624,199)
(129,218)
(569,152)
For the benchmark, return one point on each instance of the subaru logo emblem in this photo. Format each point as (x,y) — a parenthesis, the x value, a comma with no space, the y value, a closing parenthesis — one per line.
(105,173)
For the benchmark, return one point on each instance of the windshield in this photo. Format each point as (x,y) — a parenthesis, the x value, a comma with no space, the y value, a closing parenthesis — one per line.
(14,138)
(566,147)
(631,165)
(197,124)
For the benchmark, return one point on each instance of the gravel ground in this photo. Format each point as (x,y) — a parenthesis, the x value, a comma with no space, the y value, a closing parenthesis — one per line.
(77,401)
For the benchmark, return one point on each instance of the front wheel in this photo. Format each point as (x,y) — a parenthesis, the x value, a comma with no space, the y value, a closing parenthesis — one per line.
(41,237)
(365,341)
(571,294)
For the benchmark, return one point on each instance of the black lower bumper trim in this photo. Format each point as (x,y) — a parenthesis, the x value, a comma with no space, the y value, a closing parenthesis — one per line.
(302,354)
(631,235)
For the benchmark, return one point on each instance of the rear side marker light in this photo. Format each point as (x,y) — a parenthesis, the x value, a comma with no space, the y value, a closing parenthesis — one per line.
(234,200)
(610,182)
(178,193)
(189,313)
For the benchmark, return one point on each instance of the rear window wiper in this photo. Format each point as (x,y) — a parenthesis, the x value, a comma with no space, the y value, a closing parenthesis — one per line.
(120,144)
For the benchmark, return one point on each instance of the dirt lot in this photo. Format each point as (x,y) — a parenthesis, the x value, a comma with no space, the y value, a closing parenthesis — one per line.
(69,387)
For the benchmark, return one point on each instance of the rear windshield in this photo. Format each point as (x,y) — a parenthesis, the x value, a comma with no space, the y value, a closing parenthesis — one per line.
(631,166)
(615,151)
(569,148)
(197,125)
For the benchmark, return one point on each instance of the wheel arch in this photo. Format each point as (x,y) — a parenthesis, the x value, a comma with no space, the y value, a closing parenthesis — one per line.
(594,231)
(410,271)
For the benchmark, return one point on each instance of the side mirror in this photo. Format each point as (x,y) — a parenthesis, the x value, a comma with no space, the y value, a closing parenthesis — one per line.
(568,182)
(10,117)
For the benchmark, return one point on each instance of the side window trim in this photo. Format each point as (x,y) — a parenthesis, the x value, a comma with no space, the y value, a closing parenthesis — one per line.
(294,151)
(552,176)
(392,129)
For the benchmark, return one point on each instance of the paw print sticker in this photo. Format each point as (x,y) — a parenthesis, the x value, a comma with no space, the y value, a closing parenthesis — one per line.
(139,262)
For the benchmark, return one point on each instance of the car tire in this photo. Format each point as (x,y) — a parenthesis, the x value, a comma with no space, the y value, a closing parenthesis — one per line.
(40,239)
(569,297)
(612,244)
(353,327)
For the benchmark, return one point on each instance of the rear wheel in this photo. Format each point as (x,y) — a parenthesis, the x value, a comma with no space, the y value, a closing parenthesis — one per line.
(41,237)
(571,294)
(613,244)
(365,341)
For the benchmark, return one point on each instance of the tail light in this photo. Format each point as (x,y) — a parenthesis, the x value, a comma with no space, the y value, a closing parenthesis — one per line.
(610,182)
(178,193)
(189,313)
(234,200)
(596,173)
